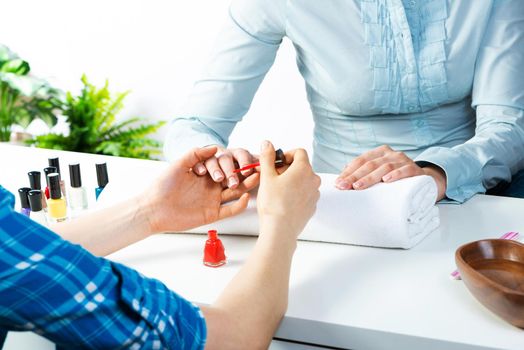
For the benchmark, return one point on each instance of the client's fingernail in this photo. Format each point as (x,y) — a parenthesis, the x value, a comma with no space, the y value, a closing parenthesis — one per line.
(201,170)
(232,182)
(386,178)
(217,175)
(357,184)
(264,145)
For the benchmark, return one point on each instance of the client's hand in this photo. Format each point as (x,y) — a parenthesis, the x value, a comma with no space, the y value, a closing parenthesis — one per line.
(286,201)
(385,164)
(221,165)
(181,200)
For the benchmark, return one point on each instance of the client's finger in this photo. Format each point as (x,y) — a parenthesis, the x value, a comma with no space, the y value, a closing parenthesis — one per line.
(247,185)
(213,168)
(243,158)
(225,160)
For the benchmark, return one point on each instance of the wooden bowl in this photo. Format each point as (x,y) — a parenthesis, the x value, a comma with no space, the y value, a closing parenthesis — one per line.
(493,271)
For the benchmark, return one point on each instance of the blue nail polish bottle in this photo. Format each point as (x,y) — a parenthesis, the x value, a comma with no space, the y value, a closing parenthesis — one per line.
(102,178)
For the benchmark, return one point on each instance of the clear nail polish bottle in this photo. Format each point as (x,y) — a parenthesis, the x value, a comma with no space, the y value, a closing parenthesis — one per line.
(35,202)
(77,194)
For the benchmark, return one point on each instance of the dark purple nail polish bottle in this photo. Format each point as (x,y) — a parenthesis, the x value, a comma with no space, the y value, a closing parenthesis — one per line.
(24,200)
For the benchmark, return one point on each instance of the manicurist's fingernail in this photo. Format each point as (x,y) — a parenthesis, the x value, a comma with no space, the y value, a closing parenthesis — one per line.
(386,178)
(264,145)
(217,175)
(357,184)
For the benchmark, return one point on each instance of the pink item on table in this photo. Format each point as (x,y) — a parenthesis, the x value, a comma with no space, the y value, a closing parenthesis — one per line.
(509,235)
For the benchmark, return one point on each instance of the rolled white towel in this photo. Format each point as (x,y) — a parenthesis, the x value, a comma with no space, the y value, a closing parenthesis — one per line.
(393,215)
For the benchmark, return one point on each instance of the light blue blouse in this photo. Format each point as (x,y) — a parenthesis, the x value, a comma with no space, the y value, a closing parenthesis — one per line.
(439,80)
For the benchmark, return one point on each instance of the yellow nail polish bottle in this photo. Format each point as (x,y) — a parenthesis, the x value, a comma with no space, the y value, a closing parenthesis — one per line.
(56,205)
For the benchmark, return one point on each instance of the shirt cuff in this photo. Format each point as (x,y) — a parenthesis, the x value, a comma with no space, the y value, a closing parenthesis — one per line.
(170,317)
(463,174)
(187,133)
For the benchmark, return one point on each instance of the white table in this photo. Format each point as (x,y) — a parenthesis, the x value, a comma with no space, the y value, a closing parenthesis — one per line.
(340,296)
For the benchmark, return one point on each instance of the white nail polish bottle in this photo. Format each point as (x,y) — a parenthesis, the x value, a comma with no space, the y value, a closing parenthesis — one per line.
(77,195)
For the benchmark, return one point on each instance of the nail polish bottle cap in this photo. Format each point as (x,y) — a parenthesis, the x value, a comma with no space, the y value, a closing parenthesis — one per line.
(47,171)
(74,174)
(280,158)
(35,200)
(212,234)
(34,180)
(54,186)
(56,163)
(22,192)
(101,174)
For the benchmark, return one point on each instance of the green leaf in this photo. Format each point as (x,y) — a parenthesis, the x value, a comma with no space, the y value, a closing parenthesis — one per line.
(92,115)
(16,66)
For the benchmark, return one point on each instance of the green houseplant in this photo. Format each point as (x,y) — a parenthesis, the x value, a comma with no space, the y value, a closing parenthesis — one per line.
(24,98)
(91,117)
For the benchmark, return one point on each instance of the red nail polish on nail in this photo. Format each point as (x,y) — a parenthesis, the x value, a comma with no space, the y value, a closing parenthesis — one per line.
(214,252)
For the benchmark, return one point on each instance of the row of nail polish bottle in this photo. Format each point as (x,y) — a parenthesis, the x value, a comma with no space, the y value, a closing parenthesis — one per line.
(56,204)
(31,199)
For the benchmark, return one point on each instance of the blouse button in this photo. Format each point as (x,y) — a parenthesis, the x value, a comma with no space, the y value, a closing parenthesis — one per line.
(411,108)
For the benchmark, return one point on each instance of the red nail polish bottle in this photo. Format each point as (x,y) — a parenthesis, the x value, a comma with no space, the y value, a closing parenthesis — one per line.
(47,171)
(214,254)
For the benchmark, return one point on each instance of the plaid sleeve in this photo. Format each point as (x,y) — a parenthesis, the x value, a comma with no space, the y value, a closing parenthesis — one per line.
(61,291)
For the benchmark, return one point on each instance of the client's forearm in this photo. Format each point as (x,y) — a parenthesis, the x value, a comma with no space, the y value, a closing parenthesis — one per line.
(105,231)
(249,310)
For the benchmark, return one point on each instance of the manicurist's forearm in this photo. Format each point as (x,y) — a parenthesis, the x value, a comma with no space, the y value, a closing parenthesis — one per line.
(255,300)
(105,231)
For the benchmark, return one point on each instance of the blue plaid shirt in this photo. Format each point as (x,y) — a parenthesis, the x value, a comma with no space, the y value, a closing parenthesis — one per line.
(59,290)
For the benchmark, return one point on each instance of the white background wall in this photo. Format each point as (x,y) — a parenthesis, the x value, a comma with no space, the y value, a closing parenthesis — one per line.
(155,48)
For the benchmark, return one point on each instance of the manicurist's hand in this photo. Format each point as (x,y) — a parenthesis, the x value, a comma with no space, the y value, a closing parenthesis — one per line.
(383,164)
(180,199)
(221,165)
(286,201)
